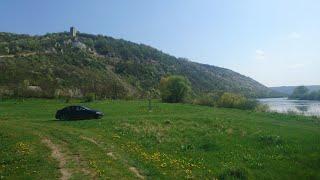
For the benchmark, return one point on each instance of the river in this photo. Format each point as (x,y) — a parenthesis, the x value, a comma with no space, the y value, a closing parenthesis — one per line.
(285,105)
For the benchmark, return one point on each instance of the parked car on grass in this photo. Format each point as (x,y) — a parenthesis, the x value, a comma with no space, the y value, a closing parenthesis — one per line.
(78,113)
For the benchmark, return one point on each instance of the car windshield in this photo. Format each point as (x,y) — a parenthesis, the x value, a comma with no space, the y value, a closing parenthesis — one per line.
(84,108)
(81,108)
(77,108)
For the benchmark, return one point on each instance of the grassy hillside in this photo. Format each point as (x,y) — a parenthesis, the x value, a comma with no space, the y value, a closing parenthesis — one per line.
(174,141)
(59,65)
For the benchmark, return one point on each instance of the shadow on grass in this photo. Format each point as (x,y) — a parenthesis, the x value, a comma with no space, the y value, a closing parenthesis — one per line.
(63,121)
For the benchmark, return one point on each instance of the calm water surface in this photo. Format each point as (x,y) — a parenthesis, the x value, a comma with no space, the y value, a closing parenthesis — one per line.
(284,105)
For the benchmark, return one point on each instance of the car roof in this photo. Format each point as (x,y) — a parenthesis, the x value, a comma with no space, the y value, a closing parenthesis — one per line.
(75,107)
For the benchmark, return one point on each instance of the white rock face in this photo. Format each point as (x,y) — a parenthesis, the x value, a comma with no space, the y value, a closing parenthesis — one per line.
(34,88)
(78,44)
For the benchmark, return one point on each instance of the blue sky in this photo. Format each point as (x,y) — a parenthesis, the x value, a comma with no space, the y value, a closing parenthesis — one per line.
(276,42)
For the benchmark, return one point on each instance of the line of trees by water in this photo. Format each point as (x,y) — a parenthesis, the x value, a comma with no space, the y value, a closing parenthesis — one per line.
(177,89)
(303,93)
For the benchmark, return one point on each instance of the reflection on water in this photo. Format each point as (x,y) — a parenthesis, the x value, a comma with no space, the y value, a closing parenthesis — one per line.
(284,105)
(303,108)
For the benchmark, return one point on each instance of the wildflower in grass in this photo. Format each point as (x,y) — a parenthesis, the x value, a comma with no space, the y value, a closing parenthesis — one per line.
(188,173)
(115,136)
(163,165)
(23,148)
(100,172)
(163,160)
(92,164)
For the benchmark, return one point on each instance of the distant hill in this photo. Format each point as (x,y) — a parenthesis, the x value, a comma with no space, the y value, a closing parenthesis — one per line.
(289,89)
(58,64)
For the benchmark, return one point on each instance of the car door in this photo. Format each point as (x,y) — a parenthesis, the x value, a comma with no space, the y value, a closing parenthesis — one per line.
(86,114)
(82,113)
(72,112)
(79,112)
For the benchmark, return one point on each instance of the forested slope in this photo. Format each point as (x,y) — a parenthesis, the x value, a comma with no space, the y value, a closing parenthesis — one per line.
(60,65)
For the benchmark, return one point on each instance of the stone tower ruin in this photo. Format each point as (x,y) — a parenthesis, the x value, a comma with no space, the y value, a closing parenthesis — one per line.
(73,31)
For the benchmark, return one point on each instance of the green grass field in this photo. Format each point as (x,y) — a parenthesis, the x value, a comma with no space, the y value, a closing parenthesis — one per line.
(173,141)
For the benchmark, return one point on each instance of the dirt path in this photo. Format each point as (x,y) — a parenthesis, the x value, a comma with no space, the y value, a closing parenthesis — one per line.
(22,54)
(89,139)
(136,172)
(60,157)
(111,154)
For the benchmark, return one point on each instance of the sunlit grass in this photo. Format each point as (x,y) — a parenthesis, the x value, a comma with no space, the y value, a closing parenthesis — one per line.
(173,141)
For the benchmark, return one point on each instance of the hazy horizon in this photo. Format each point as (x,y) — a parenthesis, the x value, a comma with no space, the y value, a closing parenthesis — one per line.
(272,42)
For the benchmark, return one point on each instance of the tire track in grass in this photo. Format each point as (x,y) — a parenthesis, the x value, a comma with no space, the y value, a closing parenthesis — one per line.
(111,154)
(60,157)
(136,172)
(63,158)
(69,156)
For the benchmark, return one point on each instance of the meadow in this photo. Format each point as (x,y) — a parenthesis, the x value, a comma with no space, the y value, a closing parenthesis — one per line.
(172,141)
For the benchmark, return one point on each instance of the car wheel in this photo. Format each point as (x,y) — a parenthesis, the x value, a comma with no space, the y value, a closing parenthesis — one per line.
(63,117)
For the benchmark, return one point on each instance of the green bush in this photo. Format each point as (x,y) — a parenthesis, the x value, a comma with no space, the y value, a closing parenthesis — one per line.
(261,108)
(249,104)
(230,100)
(209,99)
(174,89)
(204,101)
(90,97)
(67,100)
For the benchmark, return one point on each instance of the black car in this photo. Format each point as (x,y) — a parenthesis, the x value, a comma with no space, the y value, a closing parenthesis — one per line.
(77,113)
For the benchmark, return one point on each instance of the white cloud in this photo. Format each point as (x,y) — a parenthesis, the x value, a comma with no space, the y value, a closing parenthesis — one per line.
(296,66)
(260,55)
(294,35)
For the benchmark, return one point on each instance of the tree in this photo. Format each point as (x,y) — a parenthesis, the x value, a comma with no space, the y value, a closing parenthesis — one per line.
(300,92)
(174,89)
(313,95)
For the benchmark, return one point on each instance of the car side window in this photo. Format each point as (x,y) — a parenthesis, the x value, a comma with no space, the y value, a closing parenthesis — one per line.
(72,108)
(79,108)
